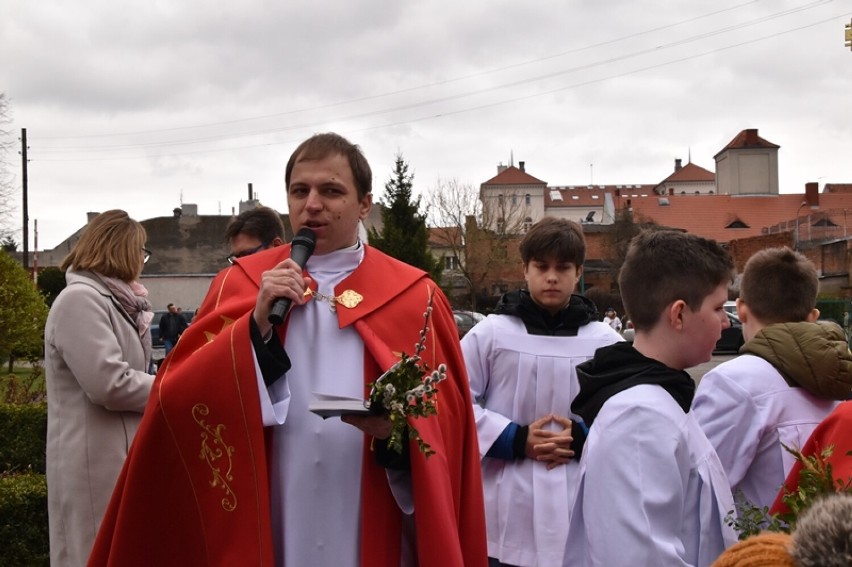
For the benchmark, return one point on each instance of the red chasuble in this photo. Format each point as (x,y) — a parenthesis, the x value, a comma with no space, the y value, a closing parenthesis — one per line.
(834,431)
(195,488)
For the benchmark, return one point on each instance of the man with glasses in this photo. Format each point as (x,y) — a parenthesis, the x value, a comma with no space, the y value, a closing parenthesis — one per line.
(252,231)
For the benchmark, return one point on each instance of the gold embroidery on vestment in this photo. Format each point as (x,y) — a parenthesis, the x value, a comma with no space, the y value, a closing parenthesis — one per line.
(226,322)
(213,450)
(348,299)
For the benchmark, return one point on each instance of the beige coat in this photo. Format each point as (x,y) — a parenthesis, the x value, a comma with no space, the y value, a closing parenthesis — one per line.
(97,387)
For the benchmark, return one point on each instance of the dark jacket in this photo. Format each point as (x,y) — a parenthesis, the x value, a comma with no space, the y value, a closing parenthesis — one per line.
(172,325)
(616,368)
(538,321)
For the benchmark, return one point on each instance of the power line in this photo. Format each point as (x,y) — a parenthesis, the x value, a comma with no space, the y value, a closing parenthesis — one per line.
(428,85)
(411,106)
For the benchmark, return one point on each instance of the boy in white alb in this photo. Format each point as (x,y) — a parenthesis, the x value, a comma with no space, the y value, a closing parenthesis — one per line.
(521,364)
(651,490)
(791,373)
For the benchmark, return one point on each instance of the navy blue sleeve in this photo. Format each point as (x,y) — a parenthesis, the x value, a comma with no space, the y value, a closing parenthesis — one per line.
(504,446)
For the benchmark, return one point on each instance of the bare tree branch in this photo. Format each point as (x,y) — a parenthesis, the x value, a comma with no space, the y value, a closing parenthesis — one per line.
(477,235)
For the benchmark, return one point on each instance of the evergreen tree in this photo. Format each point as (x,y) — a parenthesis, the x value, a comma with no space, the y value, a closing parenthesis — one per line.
(23,313)
(50,282)
(404,234)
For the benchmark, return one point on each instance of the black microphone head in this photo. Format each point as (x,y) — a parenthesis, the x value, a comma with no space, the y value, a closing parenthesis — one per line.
(301,248)
(306,238)
(303,245)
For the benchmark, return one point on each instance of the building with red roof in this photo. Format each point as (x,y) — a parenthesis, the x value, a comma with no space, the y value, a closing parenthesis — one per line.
(739,201)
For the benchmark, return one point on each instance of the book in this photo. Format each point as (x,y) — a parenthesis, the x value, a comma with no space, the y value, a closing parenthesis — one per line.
(327,406)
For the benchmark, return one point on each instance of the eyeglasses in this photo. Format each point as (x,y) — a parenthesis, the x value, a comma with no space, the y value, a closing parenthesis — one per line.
(146,255)
(236,255)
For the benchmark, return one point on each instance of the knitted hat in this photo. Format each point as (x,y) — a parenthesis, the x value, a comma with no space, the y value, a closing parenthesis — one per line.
(767,549)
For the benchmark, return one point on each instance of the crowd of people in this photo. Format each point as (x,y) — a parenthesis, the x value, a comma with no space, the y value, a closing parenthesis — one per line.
(551,440)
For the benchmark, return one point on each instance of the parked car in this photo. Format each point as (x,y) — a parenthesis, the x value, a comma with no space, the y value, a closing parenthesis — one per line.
(730,341)
(465,320)
(732,337)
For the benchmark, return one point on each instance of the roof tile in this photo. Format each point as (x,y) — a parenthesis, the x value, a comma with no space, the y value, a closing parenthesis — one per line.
(514,176)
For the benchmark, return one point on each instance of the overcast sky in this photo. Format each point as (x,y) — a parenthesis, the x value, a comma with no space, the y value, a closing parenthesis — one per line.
(142,105)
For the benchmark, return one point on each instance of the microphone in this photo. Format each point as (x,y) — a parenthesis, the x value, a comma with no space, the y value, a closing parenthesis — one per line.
(300,250)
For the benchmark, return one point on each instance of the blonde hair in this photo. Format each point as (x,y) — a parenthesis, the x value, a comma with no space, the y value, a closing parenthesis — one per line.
(111,245)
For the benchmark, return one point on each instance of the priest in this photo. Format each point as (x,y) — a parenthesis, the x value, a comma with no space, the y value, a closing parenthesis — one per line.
(230,468)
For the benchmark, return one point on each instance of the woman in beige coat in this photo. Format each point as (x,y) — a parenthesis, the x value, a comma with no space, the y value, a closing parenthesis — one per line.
(97,352)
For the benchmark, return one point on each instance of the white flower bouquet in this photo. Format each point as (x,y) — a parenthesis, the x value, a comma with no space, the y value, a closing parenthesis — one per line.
(409,389)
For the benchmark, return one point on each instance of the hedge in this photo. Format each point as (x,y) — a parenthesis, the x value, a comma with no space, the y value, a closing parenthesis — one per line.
(23,435)
(23,520)
(23,489)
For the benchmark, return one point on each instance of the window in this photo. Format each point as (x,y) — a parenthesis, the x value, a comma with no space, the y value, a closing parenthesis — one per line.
(528,199)
(451,263)
(514,200)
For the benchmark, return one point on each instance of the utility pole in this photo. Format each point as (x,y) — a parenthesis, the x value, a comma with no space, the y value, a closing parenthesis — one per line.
(797,224)
(26,213)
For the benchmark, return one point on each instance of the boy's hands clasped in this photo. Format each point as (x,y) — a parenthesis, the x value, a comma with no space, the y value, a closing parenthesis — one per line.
(546,445)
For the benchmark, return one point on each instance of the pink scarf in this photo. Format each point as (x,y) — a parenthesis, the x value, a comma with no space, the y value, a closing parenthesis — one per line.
(133,297)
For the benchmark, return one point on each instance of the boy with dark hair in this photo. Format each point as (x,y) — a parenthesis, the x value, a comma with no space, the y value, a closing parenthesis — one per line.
(651,489)
(791,373)
(521,364)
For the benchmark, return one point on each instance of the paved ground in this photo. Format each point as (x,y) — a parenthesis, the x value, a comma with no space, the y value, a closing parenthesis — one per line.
(699,371)
(158,354)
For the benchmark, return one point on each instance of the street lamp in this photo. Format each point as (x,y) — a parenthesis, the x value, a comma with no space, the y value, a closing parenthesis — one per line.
(797,222)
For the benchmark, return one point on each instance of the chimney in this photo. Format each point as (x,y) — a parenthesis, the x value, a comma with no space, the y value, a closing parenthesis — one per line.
(521,166)
(90,216)
(678,164)
(812,194)
(500,168)
(751,136)
(176,212)
(251,193)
